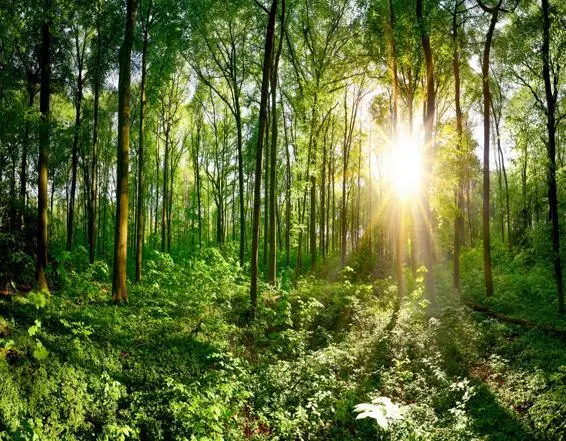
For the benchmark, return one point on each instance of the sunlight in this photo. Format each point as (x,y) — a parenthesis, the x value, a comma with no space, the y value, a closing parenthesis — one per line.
(405,168)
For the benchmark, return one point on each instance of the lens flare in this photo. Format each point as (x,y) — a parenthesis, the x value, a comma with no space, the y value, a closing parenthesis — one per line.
(405,167)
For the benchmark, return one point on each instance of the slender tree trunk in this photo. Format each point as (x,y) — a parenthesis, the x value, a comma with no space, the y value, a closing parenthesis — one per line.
(44,96)
(24,165)
(141,159)
(266,188)
(505,180)
(400,248)
(551,103)
(93,196)
(358,193)
(170,206)
(241,194)
(488,277)
(272,258)
(333,180)
(121,229)
(198,183)
(428,154)
(345,152)
(75,152)
(287,190)
(459,219)
(267,66)
(165,191)
(323,196)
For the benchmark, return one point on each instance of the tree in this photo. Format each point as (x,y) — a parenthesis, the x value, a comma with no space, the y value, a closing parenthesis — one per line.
(271,262)
(121,230)
(459,218)
(494,12)
(268,66)
(550,74)
(45,63)
(428,152)
(140,206)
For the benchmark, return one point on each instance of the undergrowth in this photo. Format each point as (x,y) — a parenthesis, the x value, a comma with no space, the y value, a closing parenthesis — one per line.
(181,362)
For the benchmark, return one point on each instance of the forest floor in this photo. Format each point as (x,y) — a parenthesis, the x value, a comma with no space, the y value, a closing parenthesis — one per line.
(180,362)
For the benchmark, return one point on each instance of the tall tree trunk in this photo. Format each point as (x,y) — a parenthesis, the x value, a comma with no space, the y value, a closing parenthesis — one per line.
(551,103)
(267,66)
(399,248)
(75,150)
(488,277)
(459,219)
(165,192)
(506,182)
(343,213)
(287,189)
(156,207)
(323,195)
(141,160)
(24,164)
(198,182)
(121,229)
(272,257)
(93,196)
(241,194)
(266,189)
(44,96)
(428,154)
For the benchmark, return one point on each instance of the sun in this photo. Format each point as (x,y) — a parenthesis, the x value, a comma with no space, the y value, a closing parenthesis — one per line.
(405,167)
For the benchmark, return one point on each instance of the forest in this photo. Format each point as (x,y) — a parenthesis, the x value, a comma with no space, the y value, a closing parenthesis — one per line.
(282,220)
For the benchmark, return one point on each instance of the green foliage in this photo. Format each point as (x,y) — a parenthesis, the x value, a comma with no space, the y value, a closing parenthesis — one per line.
(89,370)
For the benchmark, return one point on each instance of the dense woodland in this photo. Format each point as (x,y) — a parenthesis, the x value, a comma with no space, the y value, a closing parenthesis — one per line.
(282,219)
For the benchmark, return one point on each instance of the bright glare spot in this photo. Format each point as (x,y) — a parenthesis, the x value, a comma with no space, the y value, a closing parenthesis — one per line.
(405,168)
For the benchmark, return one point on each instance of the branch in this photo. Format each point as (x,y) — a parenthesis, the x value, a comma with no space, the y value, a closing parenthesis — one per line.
(534,93)
(261,6)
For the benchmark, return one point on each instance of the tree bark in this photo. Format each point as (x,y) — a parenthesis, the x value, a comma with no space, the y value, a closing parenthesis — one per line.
(551,103)
(488,277)
(165,191)
(272,257)
(93,196)
(121,228)
(45,61)
(140,206)
(75,149)
(428,154)
(267,66)
(459,219)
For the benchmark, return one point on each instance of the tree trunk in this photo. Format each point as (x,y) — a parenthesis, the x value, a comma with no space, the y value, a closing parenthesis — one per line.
(75,150)
(121,229)
(241,194)
(323,195)
(141,160)
(24,165)
(267,66)
(551,103)
(459,219)
(44,96)
(266,189)
(165,192)
(198,183)
(287,189)
(93,196)
(428,154)
(488,277)
(272,257)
